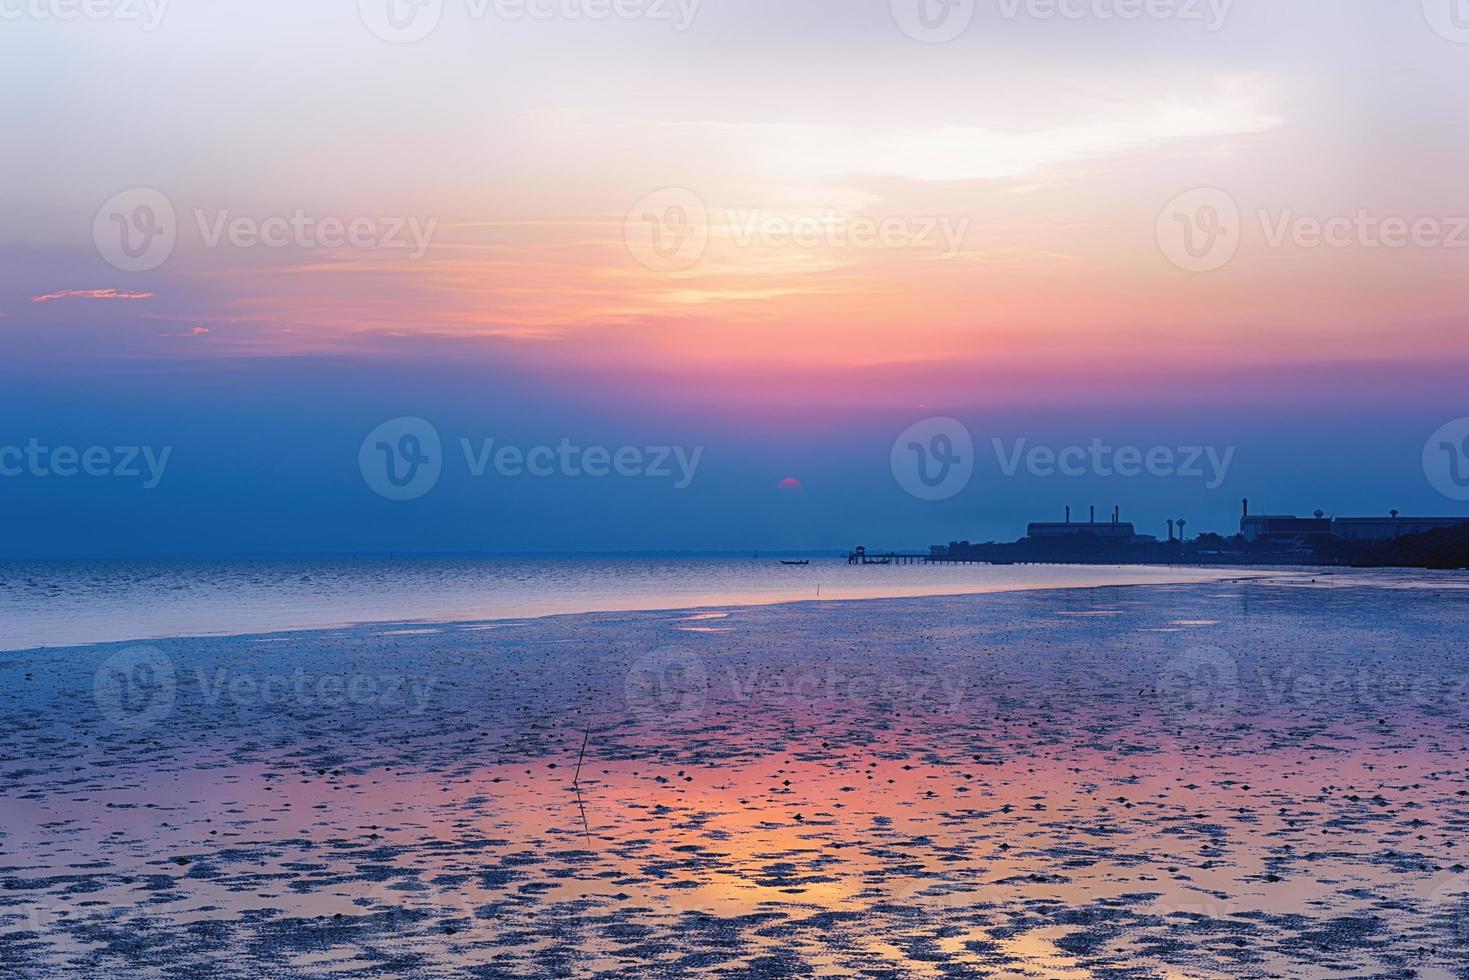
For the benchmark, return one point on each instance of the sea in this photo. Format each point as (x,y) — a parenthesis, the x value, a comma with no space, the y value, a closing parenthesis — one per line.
(50,604)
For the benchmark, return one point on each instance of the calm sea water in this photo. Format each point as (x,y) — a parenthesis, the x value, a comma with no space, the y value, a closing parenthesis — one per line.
(60,604)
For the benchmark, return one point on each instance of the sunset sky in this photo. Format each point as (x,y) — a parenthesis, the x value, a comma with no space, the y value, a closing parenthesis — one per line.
(529,153)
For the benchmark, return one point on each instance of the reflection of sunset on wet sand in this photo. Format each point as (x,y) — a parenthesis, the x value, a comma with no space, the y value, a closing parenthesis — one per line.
(1037,784)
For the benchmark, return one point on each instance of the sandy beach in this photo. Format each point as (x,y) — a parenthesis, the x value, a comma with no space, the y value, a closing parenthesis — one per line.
(1251,778)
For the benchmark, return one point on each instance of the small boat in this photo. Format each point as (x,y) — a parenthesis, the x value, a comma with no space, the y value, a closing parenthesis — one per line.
(805,562)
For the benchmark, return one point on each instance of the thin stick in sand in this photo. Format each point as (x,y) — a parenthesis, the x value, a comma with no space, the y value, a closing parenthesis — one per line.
(577,777)
(576,784)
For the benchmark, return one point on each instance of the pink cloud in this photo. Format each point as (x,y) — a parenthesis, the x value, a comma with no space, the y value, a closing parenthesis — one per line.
(90,294)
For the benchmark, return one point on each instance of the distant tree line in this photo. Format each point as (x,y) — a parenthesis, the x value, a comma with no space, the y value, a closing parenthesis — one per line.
(1445,548)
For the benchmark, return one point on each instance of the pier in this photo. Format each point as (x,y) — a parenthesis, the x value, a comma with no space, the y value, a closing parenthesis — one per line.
(861,556)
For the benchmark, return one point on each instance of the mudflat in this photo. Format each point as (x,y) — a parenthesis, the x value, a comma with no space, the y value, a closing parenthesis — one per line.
(1254,778)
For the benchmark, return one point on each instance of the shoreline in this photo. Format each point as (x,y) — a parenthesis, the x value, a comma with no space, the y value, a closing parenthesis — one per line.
(699,603)
(261,620)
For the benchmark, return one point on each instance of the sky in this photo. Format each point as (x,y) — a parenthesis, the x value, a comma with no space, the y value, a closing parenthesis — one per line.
(768,239)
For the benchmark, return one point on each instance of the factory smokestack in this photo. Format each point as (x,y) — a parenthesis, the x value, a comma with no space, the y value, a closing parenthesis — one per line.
(1116,513)
(1245,503)
(1068,513)
(1091,515)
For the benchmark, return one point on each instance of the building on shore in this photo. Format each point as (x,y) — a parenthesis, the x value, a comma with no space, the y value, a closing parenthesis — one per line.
(1278,527)
(1116,530)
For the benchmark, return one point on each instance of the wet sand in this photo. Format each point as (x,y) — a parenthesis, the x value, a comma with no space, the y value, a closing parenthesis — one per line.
(1197,780)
